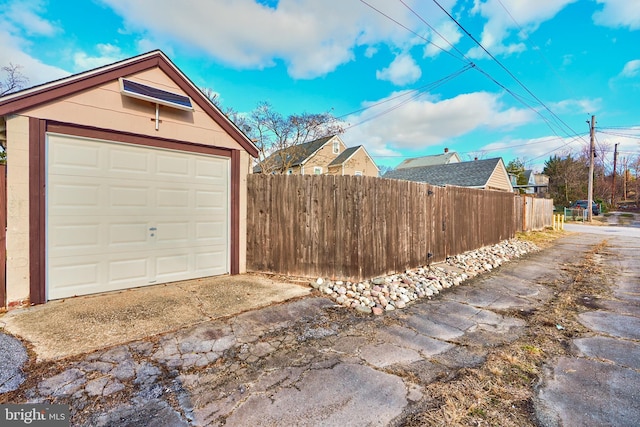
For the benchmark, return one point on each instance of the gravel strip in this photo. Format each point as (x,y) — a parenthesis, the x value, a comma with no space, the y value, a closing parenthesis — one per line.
(396,291)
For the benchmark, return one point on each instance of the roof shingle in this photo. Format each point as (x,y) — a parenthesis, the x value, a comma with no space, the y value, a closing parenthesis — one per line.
(464,174)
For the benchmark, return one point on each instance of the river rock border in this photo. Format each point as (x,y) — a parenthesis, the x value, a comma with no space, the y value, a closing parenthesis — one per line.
(396,291)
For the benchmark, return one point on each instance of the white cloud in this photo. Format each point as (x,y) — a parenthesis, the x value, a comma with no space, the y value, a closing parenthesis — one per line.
(24,14)
(618,13)
(311,38)
(402,71)
(35,70)
(631,69)
(448,34)
(19,20)
(107,54)
(572,106)
(627,77)
(421,123)
(527,14)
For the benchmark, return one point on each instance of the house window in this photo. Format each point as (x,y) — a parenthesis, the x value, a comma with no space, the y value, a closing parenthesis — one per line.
(358,173)
(336,147)
(317,170)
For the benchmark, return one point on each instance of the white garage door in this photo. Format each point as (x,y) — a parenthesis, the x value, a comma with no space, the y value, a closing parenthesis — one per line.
(122,216)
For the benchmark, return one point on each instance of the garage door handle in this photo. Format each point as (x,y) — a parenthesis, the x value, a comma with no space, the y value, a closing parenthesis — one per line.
(152,229)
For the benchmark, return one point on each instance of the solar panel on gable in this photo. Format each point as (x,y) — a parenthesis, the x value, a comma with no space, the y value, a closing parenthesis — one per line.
(155,95)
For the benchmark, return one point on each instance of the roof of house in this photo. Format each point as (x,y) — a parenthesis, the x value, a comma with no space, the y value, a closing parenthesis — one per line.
(295,155)
(345,155)
(528,175)
(37,95)
(435,159)
(541,178)
(475,173)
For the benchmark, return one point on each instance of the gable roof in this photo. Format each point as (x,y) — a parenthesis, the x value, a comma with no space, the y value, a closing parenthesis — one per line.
(475,173)
(344,156)
(295,155)
(349,153)
(37,95)
(432,160)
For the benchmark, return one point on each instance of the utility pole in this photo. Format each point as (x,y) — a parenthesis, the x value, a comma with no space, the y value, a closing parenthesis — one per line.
(592,151)
(613,178)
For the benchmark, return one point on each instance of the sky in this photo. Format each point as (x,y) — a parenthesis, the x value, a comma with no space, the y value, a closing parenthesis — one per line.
(517,79)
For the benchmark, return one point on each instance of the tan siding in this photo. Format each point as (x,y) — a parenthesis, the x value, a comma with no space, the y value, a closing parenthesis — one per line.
(499,179)
(105,107)
(322,158)
(18,209)
(360,161)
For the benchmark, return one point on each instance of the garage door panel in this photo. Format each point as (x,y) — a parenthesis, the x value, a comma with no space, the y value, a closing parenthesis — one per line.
(207,171)
(172,197)
(74,237)
(71,157)
(123,216)
(73,277)
(209,261)
(132,269)
(76,195)
(124,235)
(169,232)
(124,161)
(176,263)
(128,196)
(168,166)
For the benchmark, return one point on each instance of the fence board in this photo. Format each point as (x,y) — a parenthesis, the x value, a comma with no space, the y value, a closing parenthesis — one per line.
(352,228)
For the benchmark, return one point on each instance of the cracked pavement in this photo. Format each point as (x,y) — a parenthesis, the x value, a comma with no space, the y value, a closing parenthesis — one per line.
(309,362)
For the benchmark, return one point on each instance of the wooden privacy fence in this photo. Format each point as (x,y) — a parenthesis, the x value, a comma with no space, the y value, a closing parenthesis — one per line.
(354,227)
(537,214)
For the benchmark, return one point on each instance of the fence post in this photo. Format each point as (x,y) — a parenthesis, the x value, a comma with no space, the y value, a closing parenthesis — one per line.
(524,213)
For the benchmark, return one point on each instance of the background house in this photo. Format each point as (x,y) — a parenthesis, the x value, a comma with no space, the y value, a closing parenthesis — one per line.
(145,183)
(324,156)
(432,160)
(536,183)
(488,174)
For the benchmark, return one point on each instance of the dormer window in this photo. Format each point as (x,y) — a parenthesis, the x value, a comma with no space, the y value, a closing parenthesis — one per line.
(336,147)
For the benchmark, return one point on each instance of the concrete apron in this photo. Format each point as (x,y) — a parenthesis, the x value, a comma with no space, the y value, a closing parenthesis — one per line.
(79,325)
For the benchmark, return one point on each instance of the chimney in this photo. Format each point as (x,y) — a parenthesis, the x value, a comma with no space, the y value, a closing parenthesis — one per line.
(446,150)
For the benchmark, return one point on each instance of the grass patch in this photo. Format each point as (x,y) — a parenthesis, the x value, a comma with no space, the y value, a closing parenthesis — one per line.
(543,238)
(627,215)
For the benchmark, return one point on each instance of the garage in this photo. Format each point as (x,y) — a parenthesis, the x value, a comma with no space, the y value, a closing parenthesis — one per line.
(120,177)
(122,215)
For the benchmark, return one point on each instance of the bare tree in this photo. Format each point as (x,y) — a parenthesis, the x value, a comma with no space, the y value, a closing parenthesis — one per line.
(239,119)
(278,137)
(13,79)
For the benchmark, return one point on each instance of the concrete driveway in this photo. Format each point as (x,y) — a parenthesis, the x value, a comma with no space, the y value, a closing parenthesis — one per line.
(80,325)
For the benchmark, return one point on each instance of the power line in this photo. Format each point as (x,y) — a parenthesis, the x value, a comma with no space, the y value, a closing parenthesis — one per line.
(409,29)
(417,95)
(435,31)
(503,67)
(407,93)
(624,135)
